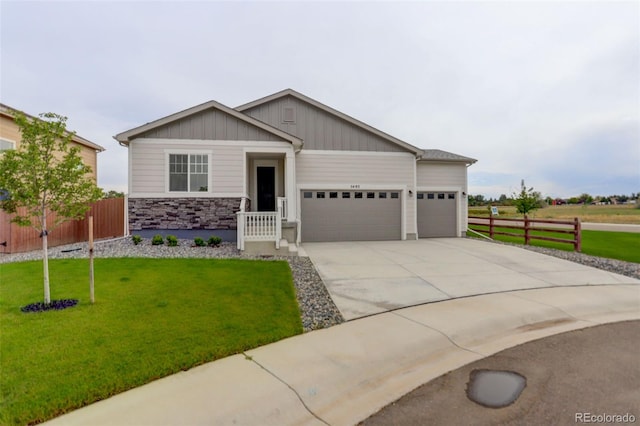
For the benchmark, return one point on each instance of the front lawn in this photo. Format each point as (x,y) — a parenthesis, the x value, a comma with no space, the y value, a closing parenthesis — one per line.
(152,318)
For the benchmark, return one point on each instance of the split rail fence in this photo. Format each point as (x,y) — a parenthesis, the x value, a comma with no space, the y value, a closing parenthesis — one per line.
(530,231)
(109,219)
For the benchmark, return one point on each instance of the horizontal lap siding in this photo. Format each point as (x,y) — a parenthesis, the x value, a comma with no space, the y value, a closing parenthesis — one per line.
(442,175)
(149,166)
(359,169)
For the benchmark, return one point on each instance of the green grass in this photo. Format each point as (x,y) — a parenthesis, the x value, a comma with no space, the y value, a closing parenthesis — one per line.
(151,318)
(613,245)
(625,213)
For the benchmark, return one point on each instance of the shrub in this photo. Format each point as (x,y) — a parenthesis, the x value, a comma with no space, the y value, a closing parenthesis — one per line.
(199,242)
(137,239)
(157,240)
(172,240)
(214,241)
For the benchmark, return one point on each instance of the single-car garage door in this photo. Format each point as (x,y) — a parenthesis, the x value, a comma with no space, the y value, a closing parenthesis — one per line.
(437,215)
(333,215)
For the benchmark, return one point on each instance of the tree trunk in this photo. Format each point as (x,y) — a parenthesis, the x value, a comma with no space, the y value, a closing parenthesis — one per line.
(45,259)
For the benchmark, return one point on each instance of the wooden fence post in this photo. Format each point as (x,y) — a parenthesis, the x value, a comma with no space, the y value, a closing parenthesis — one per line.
(491,226)
(527,236)
(91,293)
(577,229)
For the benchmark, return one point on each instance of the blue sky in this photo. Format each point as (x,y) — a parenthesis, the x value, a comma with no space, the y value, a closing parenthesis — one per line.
(545,91)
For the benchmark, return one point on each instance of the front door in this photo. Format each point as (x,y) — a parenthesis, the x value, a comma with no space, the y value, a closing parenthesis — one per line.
(266,177)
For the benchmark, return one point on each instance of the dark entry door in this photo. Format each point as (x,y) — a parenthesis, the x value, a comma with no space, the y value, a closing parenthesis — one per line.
(266,189)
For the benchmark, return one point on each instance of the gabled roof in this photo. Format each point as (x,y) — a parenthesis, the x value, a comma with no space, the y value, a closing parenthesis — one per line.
(10,112)
(125,137)
(349,119)
(439,155)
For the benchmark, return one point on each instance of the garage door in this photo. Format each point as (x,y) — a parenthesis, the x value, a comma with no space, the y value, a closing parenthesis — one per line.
(333,215)
(437,215)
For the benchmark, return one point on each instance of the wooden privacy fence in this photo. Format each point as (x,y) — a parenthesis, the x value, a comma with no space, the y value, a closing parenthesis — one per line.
(495,226)
(108,219)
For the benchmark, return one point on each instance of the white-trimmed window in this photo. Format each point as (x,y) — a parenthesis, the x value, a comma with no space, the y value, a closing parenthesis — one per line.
(188,172)
(6,145)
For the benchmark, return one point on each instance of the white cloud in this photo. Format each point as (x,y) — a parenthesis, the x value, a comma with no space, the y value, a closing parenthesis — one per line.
(521,86)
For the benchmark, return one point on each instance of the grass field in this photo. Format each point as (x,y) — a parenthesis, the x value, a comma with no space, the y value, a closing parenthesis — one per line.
(151,318)
(627,213)
(613,245)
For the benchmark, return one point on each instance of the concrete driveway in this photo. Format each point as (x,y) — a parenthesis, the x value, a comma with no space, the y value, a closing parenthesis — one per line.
(366,278)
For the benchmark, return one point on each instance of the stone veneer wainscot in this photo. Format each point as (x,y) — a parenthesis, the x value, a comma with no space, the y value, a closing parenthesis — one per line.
(183,213)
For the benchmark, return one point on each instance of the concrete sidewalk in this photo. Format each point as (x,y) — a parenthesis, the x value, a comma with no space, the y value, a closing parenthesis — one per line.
(343,374)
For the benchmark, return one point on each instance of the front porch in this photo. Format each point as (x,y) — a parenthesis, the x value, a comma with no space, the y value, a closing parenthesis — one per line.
(266,221)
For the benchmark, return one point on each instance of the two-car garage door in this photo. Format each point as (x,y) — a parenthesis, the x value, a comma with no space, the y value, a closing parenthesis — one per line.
(339,215)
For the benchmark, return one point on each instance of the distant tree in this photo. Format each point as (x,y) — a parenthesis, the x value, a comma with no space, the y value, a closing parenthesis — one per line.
(503,198)
(527,199)
(585,199)
(111,194)
(573,200)
(45,174)
(476,200)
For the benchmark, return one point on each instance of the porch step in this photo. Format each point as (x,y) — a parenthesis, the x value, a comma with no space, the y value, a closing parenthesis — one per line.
(287,247)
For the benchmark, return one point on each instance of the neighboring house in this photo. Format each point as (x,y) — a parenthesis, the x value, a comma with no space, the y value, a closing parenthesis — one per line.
(10,139)
(296,171)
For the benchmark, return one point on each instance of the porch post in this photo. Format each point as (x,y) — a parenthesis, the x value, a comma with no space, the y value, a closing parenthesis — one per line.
(290,185)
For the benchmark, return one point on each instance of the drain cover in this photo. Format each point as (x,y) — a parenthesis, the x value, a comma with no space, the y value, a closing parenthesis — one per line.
(494,388)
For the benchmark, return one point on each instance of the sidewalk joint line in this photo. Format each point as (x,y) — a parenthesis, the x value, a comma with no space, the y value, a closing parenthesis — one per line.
(440,332)
(252,359)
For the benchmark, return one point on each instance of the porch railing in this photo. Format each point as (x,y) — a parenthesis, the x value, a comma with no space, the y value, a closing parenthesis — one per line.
(260,226)
(282,208)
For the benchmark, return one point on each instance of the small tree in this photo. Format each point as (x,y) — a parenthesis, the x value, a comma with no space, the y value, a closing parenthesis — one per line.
(45,174)
(527,199)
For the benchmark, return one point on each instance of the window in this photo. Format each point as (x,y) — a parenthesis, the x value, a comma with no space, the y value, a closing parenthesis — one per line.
(188,172)
(320,195)
(371,195)
(420,196)
(6,145)
(346,195)
(333,195)
(394,195)
(430,196)
(451,196)
(440,196)
(358,195)
(382,195)
(308,194)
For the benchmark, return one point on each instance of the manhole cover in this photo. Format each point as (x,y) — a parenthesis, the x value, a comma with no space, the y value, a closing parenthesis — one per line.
(494,388)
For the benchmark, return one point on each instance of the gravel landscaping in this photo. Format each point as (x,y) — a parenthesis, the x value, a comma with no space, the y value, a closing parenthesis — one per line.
(316,306)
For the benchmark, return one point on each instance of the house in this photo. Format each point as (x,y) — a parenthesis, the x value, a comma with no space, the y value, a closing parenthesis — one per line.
(286,169)
(10,139)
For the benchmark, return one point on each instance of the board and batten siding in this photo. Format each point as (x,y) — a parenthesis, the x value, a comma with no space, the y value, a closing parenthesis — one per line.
(318,129)
(149,169)
(324,170)
(446,176)
(210,124)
